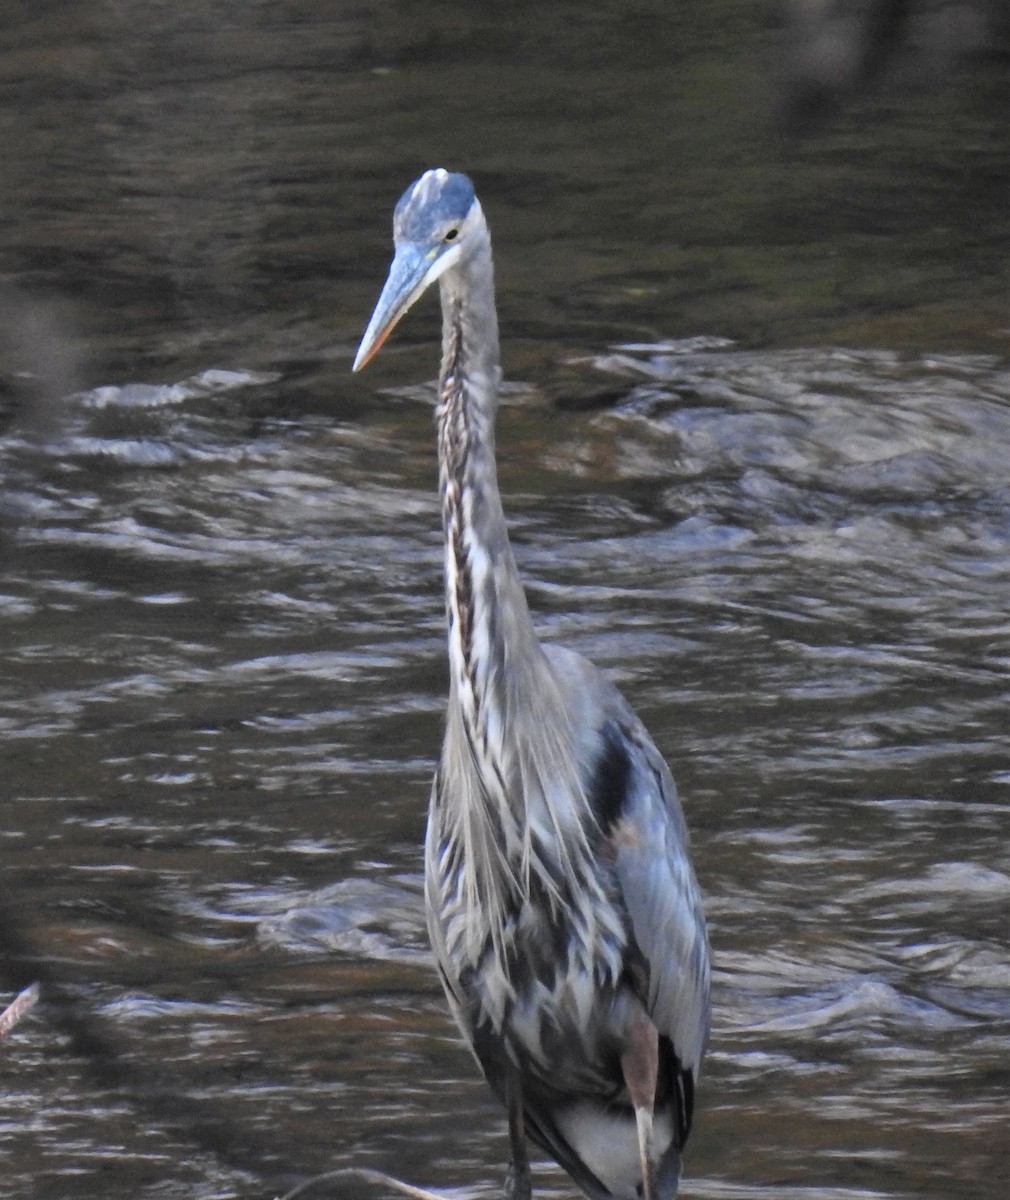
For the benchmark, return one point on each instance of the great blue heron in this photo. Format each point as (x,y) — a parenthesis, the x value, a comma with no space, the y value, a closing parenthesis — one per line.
(562,905)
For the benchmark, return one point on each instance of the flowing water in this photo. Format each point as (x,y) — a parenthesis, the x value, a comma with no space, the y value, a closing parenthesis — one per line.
(755,459)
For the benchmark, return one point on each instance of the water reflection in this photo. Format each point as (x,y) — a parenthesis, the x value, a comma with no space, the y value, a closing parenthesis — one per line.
(225,690)
(223,615)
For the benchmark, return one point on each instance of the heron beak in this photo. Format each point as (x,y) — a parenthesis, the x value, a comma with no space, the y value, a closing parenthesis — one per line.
(412,272)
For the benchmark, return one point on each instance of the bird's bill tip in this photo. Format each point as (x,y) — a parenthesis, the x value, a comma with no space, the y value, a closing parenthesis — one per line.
(372,343)
(409,275)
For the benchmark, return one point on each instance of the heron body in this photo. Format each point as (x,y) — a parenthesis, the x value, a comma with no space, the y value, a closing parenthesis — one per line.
(562,906)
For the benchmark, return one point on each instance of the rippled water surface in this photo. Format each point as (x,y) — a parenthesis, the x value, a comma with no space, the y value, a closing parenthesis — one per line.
(755,459)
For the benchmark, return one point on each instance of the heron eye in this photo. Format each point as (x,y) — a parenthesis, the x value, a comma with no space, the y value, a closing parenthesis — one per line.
(451,235)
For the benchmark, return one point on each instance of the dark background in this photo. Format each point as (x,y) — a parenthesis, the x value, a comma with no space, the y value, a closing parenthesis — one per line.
(752,275)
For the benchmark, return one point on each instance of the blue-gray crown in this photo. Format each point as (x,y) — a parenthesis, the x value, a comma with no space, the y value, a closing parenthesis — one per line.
(424,208)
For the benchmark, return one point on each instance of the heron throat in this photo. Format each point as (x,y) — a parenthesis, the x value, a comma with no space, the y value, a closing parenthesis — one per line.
(481,581)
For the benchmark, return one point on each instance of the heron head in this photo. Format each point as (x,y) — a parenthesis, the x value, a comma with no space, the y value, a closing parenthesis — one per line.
(435,220)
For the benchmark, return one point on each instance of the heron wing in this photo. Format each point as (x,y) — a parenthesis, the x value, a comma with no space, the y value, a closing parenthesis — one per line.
(645,840)
(648,841)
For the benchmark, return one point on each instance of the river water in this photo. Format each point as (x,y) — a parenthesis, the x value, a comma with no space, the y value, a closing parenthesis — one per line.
(754,454)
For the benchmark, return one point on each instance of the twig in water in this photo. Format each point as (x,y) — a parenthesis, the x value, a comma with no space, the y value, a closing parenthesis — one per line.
(380,1177)
(22,1003)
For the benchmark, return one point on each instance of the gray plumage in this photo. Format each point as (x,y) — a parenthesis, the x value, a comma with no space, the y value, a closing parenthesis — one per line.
(562,905)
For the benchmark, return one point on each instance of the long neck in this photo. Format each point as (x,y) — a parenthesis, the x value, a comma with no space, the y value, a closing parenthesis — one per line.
(510,767)
(493,651)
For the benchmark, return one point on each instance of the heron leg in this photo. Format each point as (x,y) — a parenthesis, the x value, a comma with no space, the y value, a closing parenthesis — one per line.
(640,1065)
(517,1181)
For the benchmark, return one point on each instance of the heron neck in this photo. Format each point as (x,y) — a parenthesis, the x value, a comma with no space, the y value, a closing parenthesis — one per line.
(470,326)
(493,651)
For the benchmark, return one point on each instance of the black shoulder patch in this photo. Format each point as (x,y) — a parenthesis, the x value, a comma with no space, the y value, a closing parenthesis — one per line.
(608,788)
(675,1089)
